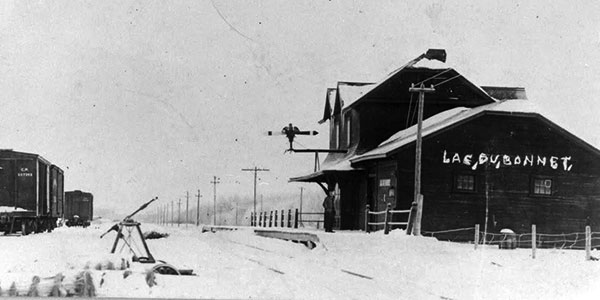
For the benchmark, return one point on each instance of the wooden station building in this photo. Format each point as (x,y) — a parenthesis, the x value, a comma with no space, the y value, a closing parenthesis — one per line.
(484,149)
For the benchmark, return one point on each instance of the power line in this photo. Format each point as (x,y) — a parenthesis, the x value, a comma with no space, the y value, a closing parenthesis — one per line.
(432,77)
(409,109)
(452,78)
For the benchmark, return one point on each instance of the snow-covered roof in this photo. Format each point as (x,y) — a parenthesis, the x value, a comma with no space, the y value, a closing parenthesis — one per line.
(423,64)
(444,120)
(349,92)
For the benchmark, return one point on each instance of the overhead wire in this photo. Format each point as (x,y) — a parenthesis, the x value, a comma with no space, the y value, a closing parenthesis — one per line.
(432,77)
(409,108)
(452,78)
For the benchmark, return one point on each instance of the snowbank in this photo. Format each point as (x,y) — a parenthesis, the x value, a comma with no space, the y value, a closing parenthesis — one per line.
(344,265)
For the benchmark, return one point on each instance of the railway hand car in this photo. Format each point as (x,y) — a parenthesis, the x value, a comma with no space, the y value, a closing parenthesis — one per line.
(79,208)
(31,193)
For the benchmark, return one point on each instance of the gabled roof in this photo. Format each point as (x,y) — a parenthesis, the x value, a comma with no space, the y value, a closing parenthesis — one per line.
(453,117)
(331,95)
(421,65)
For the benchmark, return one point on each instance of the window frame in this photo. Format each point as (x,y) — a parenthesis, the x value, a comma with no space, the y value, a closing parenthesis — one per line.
(455,181)
(336,132)
(348,128)
(532,185)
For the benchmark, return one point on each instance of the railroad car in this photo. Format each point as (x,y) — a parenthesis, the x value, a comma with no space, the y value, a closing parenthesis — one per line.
(79,208)
(31,193)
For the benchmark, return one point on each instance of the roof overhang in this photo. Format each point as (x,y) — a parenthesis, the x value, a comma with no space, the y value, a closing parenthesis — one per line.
(322,176)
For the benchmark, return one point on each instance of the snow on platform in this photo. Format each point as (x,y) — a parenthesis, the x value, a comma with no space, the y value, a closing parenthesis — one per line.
(344,265)
(5,209)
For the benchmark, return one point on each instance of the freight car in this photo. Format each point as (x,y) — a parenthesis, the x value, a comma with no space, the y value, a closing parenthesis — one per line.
(31,193)
(79,208)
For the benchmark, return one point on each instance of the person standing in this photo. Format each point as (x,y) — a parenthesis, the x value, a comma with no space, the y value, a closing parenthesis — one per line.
(329,216)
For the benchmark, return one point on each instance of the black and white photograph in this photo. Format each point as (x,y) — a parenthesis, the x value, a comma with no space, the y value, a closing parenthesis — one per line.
(312,149)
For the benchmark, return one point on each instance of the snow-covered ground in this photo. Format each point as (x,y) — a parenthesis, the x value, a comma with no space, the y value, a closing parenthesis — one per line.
(344,265)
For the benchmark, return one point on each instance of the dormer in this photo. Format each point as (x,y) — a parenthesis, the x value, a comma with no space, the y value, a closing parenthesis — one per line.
(362,114)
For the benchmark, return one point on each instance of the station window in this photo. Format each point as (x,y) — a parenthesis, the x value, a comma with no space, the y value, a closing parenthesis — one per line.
(465,182)
(347,127)
(542,186)
(336,134)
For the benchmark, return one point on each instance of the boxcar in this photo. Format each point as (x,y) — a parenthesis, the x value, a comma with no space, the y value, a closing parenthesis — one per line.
(79,208)
(31,192)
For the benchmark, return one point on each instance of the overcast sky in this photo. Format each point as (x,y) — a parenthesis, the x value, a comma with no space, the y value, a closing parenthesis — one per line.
(136,99)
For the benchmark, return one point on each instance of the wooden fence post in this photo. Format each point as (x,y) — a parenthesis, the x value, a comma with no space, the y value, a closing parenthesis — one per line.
(251,219)
(289,218)
(296,219)
(260,219)
(533,240)
(367,218)
(282,218)
(476,237)
(270,218)
(411,218)
(588,242)
(275,219)
(386,225)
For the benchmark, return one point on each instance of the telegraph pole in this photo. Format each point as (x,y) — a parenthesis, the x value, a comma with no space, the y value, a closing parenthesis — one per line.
(198,209)
(236,214)
(215,182)
(179,212)
(187,205)
(301,190)
(172,214)
(418,198)
(255,170)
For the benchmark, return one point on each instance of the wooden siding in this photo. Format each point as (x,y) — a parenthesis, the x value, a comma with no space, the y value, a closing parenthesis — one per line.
(391,108)
(507,189)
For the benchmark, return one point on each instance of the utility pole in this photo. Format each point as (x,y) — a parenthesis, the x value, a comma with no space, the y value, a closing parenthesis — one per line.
(255,170)
(301,190)
(261,202)
(172,214)
(179,212)
(215,182)
(418,198)
(198,209)
(187,206)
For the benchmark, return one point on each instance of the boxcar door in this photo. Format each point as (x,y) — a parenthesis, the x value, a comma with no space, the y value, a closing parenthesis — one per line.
(7,183)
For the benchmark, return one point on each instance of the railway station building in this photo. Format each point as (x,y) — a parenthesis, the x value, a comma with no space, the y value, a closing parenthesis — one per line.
(488,153)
